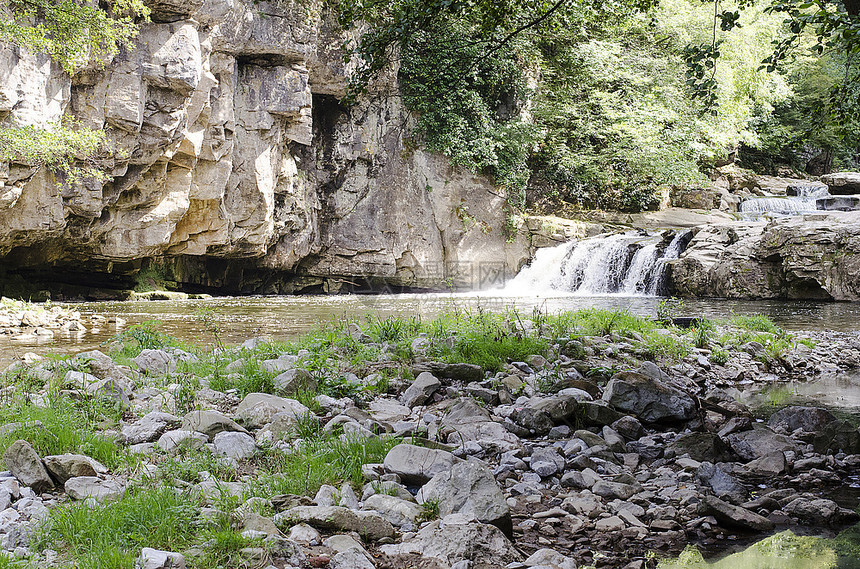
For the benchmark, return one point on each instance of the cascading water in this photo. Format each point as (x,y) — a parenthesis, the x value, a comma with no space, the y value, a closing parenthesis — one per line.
(624,263)
(783,206)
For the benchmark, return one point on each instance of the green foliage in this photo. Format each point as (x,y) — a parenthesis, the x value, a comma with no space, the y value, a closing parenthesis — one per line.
(755,323)
(62,426)
(71,32)
(325,459)
(109,536)
(144,336)
(719,356)
(429,511)
(61,147)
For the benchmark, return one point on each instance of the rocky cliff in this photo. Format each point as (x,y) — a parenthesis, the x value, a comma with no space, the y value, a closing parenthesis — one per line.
(235,166)
(813,256)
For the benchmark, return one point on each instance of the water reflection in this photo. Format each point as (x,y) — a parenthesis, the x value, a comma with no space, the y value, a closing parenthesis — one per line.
(286,317)
(781,551)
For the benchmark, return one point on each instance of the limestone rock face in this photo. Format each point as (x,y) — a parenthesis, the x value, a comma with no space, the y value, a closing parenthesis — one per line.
(230,142)
(813,256)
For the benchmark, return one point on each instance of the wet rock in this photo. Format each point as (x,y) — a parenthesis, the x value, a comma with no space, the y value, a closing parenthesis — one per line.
(702,446)
(424,386)
(417,465)
(810,419)
(259,409)
(819,512)
(469,488)
(758,442)
(155,559)
(722,483)
(25,465)
(649,399)
(768,466)
(598,413)
(210,423)
(65,466)
(455,538)
(368,524)
(734,516)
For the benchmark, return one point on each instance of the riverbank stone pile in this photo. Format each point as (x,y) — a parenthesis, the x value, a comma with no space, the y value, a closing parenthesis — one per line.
(537,466)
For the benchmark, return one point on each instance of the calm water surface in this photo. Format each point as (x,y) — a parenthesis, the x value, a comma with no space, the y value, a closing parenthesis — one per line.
(286,317)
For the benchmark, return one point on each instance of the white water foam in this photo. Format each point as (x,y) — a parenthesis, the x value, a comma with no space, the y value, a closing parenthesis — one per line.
(623,263)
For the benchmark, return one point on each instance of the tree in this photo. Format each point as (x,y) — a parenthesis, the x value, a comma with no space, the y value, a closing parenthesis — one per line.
(72,33)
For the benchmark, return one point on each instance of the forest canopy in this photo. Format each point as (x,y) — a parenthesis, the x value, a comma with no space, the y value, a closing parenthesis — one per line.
(602,103)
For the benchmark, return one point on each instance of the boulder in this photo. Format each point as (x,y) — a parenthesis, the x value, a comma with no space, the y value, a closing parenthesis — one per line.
(25,465)
(734,516)
(456,538)
(396,510)
(809,419)
(210,423)
(148,428)
(259,409)
(466,421)
(458,371)
(65,466)
(819,512)
(417,465)
(172,442)
(237,446)
(424,386)
(649,399)
(99,489)
(469,488)
(368,524)
(155,362)
(702,446)
(294,380)
(758,442)
(842,183)
(155,559)
(547,461)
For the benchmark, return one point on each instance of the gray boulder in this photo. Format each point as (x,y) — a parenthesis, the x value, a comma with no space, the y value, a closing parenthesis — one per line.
(294,380)
(649,399)
(155,559)
(424,386)
(148,428)
(155,362)
(758,442)
(65,466)
(259,409)
(456,538)
(547,461)
(237,446)
(101,490)
(469,488)
(368,524)
(809,419)
(396,510)
(25,465)
(417,465)
(734,516)
(210,423)
(457,371)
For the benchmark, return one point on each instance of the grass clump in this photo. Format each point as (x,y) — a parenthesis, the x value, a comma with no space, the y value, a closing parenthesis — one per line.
(109,536)
(325,459)
(62,426)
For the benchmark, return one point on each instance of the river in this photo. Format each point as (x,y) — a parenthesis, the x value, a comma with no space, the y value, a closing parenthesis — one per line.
(286,317)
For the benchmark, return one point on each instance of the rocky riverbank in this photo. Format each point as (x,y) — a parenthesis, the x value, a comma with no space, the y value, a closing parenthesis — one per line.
(474,440)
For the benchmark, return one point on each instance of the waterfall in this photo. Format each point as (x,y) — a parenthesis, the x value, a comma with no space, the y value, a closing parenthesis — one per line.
(623,263)
(784,206)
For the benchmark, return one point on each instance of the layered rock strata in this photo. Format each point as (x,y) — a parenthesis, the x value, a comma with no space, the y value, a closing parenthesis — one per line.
(233,159)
